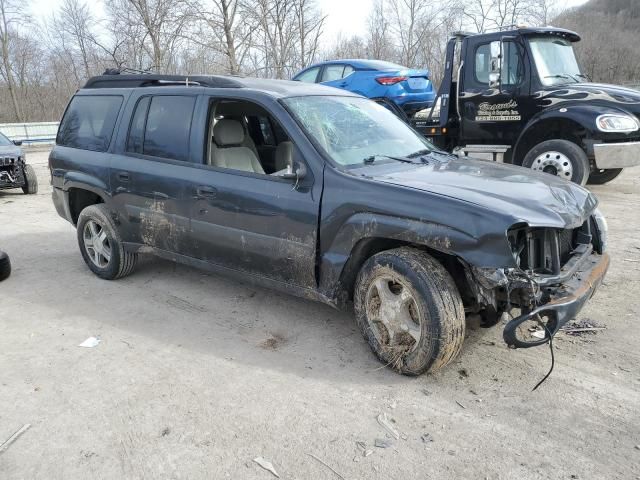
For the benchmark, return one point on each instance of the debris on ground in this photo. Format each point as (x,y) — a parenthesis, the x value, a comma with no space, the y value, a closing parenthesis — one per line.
(539,334)
(463,373)
(323,463)
(584,326)
(363,447)
(14,437)
(426,438)
(383,442)
(385,423)
(90,342)
(266,465)
(461,404)
(274,342)
(166,431)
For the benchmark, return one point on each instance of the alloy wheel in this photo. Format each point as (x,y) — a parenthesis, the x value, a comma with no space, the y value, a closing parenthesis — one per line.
(97,244)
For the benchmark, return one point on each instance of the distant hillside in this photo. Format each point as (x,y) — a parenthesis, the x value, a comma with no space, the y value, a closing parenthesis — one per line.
(625,8)
(610,31)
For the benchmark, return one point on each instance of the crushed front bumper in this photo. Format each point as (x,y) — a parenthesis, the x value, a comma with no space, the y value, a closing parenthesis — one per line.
(566,300)
(617,155)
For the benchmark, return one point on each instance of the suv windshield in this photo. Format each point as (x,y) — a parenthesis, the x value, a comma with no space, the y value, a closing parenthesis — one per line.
(352,129)
(555,61)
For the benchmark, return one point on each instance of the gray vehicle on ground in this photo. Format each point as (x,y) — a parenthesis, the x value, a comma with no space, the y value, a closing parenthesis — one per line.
(324,194)
(14,171)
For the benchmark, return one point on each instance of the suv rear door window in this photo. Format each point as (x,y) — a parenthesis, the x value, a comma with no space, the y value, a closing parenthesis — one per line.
(136,134)
(89,121)
(168,127)
(161,127)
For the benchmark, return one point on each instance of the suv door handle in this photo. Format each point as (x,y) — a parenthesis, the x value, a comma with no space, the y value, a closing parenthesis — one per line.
(123,176)
(206,192)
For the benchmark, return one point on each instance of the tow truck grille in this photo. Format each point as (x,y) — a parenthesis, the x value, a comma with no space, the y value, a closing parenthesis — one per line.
(6,161)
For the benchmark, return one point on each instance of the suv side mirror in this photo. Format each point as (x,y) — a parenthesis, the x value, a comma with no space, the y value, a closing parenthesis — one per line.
(298,172)
(495,65)
(17,142)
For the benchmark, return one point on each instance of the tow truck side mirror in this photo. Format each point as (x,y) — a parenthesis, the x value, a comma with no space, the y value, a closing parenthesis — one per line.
(495,64)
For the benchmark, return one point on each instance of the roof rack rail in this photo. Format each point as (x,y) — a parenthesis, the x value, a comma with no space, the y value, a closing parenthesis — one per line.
(111,79)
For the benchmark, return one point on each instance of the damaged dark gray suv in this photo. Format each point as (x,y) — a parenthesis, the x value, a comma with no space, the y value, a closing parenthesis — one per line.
(327,195)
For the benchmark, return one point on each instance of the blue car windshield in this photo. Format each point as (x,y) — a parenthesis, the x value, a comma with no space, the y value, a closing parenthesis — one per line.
(351,129)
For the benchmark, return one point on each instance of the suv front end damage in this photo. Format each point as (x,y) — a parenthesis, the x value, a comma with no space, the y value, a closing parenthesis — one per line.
(11,171)
(557,271)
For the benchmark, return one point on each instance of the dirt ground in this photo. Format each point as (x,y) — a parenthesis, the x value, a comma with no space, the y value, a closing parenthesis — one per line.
(197,375)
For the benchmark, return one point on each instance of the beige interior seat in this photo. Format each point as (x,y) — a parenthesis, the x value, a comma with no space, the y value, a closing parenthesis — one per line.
(228,149)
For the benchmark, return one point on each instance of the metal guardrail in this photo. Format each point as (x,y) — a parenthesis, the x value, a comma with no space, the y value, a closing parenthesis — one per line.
(31,133)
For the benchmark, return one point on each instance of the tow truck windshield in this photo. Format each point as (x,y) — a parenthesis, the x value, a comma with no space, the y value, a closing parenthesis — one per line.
(555,61)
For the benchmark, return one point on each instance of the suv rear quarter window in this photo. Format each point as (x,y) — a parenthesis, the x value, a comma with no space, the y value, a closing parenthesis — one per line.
(89,121)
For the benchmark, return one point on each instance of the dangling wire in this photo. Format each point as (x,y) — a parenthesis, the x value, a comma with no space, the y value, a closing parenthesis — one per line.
(553,361)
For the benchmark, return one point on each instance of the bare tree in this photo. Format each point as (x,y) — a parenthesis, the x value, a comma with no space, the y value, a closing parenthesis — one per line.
(158,24)
(378,35)
(226,29)
(12,16)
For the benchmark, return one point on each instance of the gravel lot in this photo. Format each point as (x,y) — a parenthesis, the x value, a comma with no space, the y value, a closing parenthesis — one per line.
(197,375)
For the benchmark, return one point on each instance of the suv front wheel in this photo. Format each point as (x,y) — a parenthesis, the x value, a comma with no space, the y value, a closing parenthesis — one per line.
(409,310)
(101,245)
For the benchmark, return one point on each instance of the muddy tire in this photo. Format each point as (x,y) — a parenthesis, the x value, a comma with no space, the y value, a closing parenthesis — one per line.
(101,245)
(409,311)
(5,266)
(601,176)
(561,158)
(31,181)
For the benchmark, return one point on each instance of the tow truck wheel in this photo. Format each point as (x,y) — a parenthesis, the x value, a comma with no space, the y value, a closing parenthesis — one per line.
(600,176)
(562,158)
(409,310)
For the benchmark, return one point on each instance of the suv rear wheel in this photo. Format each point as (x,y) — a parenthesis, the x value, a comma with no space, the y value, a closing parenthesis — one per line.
(409,310)
(101,245)
(561,158)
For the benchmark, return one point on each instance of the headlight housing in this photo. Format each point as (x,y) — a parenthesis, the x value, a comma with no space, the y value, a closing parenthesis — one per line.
(602,229)
(617,123)
(422,114)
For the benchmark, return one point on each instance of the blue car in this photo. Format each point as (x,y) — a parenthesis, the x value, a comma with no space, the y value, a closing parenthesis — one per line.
(409,89)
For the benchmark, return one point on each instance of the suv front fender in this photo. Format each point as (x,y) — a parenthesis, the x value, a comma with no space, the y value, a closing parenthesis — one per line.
(348,244)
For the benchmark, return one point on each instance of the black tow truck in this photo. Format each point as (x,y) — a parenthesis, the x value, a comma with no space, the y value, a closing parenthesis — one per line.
(518,96)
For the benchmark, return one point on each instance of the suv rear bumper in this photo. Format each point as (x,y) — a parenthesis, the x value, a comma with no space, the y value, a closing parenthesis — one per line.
(617,155)
(567,299)
(61,202)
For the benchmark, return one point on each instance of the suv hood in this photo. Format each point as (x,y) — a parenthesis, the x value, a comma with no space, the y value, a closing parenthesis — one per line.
(10,150)
(538,199)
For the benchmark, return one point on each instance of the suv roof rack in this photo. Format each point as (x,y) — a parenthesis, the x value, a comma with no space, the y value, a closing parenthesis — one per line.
(115,79)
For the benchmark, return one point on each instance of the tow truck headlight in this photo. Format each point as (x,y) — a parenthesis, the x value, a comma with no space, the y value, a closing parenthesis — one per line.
(617,123)
(602,229)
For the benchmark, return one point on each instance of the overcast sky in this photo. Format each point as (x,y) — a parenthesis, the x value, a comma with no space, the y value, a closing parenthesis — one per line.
(343,16)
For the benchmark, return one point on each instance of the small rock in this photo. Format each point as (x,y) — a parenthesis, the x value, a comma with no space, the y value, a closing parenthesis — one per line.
(426,438)
(383,442)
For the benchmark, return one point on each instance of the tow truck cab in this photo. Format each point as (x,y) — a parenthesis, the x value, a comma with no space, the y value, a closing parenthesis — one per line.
(519,96)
